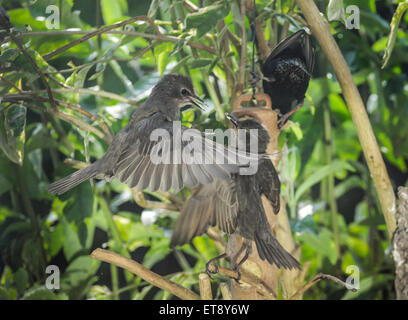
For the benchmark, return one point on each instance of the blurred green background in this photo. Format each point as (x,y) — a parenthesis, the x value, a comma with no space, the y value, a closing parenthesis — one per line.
(334,211)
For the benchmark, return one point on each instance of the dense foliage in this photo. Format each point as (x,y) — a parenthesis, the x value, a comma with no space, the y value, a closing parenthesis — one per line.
(98,83)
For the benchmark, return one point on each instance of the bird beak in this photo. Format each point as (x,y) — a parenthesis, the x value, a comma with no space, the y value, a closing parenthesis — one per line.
(197,102)
(231,118)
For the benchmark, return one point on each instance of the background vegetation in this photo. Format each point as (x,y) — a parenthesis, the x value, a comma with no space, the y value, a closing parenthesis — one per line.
(97,84)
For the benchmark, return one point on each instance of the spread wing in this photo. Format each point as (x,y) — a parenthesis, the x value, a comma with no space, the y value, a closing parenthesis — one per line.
(209,205)
(269,183)
(171,157)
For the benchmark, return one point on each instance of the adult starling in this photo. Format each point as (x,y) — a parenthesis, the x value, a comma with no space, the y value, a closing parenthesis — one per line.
(129,156)
(235,206)
(287,71)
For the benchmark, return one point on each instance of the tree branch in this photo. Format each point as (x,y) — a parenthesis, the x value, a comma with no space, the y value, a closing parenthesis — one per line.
(316,279)
(29,95)
(321,30)
(205,286)
(249,279)
(36,68)
(144,273)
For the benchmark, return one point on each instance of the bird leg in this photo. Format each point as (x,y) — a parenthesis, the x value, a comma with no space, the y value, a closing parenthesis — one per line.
(285,117)
(211,267)
(255,77)
(236,267)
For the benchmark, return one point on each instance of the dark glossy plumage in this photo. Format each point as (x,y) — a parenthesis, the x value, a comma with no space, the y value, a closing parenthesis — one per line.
(4,19)
(128,158)
(287,71)
(235,206)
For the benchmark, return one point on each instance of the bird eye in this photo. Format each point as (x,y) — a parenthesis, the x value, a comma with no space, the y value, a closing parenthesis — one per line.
(184,92)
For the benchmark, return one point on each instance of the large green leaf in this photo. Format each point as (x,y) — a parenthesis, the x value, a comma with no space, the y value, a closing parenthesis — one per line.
(323,244)
(402,7)
(42,293)
(320,174)
(113,10)
(207,18)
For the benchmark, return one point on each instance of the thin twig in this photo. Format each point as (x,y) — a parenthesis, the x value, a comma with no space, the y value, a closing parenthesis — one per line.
(160,37)
(242,67)
(316,279)
(144,273)
(100,31)
(75,121)
(10,83)
(36,68)
(300,20)
(100,93)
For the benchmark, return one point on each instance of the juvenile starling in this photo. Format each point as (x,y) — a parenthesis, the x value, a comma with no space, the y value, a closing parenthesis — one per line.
(235,206)
(129,155)
(287,71)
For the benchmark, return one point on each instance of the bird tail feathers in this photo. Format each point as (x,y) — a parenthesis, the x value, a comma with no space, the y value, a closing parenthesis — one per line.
(63,185)
(270,249)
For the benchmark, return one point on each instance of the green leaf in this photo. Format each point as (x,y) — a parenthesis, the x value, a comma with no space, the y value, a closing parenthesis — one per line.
(154,6)
(345,186)
(200,63)
(4,294)
(9,55)
(5,185)
(79,276)
(79,207)
(32,257)
(393,34)
(307,224)
(72,243)
(113,10)
(320,174)
(12,132)
(21,280)
(205,247)
(323,244)
(157,252)
(42,293)
(207,18)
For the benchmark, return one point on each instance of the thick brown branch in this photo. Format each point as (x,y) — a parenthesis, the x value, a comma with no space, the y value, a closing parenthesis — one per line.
(144,273)
(249,279)
(205,286)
